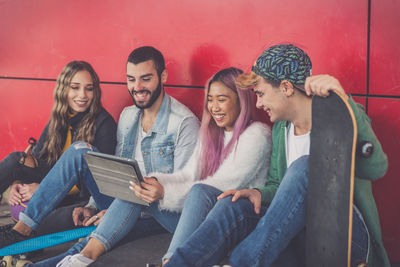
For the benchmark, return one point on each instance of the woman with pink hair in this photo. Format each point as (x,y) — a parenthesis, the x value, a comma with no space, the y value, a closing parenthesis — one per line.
(226,157)
(233,152)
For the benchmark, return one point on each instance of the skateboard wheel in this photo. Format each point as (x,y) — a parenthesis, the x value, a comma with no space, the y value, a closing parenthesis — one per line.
(6,261)
(366,149)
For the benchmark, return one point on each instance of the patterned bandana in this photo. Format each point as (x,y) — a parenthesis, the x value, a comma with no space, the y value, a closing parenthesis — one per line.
(283,62)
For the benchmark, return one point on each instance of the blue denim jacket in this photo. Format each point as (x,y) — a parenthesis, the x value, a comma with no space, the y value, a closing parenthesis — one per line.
(168,144)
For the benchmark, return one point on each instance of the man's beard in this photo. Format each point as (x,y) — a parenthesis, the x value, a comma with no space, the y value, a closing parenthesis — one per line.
(153,97)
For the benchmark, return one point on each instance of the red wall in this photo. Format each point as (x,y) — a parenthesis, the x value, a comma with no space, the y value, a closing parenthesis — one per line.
(37,38)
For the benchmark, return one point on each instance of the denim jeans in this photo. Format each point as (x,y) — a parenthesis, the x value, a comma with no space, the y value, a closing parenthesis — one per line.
(258,239)
(122,220)
(70,169)
(144,227)
(122,216)
(199,201)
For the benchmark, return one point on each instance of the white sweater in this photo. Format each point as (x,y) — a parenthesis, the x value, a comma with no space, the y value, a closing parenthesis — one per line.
(246,166)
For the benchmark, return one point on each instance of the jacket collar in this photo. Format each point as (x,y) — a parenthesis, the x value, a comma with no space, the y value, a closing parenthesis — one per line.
(161,123)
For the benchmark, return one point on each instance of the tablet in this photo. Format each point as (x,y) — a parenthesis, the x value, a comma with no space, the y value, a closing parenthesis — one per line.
(112,175)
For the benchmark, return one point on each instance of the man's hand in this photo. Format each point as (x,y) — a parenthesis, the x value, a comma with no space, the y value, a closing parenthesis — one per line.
(80,215)
(14,196)
(27,191)
(253,195)
(152,190)
(320,85)
(96,219)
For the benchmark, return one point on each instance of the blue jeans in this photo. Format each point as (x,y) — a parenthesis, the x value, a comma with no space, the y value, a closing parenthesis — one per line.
(122,216)
(122,219)
(258,239)
(199,201)
(144,227)
(68,171)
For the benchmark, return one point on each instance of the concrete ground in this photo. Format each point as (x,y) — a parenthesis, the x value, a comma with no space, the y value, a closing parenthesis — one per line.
(5,218)
(135,253)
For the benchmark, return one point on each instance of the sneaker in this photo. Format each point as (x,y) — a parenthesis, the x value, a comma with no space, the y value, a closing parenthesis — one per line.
(10,236)
(77,260)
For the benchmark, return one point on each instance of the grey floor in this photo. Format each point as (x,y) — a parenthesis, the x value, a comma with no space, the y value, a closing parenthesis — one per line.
(136,253)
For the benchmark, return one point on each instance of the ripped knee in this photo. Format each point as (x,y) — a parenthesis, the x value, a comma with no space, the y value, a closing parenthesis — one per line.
(81,145)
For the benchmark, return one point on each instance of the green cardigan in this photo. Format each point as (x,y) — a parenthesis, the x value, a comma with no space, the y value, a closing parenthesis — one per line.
(366,170)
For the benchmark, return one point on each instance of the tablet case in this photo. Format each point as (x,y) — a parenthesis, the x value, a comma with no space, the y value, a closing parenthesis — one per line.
(112,175)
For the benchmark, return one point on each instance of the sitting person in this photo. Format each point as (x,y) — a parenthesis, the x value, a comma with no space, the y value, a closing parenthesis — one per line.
(260,223)
(158,131)
(77,114)
(232,152)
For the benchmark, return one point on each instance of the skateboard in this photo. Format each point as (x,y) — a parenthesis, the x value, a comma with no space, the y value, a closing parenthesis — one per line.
(330,182)
(15,254)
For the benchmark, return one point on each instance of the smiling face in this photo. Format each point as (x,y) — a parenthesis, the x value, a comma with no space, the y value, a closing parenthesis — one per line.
(80,93)
(223,105)
(144,84)
(272,100)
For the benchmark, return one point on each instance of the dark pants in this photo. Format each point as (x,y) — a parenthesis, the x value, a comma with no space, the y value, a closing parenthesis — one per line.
(59,220)
(11,170)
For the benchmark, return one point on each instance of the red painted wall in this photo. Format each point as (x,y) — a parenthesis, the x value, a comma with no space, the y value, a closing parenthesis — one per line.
(384,80)
(37,38)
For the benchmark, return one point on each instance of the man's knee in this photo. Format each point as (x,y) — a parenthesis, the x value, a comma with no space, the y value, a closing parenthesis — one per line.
(297,172)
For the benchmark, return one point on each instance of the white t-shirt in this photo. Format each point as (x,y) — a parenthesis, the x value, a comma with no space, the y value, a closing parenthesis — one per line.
(138,152)
(296,145)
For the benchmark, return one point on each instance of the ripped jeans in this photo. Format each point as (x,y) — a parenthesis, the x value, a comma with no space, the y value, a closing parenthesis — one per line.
(70,169)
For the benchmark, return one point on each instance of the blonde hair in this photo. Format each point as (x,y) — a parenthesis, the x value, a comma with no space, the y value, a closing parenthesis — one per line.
(247,81)
(59,119)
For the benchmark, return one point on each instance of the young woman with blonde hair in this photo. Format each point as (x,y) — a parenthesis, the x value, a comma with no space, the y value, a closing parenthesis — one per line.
(77,114)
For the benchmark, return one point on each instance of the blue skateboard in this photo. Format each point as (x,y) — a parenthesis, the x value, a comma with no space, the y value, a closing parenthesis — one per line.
(38,243)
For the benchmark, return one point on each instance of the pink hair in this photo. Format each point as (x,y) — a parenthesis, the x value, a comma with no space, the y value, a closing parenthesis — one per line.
(213,152)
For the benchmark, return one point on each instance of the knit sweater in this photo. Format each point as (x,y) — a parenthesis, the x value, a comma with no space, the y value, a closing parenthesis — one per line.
(246,166)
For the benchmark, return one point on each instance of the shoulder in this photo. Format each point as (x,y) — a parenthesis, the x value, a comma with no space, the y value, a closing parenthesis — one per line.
(181,117)
(129,110)
(104,115)
(127,113)
(279,128)
(178,109)
(258,128)
(257,132)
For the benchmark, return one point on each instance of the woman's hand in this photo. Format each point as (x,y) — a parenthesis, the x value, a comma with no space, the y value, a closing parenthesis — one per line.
(80,215)
(27,191)
(150,191)
(253,195)
(14,196)
(96,219)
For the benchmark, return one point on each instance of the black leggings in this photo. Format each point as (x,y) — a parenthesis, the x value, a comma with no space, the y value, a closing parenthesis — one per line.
(11,170)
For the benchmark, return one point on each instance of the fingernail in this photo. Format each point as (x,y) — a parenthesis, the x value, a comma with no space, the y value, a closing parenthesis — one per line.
(131,188)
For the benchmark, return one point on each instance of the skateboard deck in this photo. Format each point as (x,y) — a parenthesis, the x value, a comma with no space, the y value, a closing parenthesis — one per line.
(46,241)
(330,182)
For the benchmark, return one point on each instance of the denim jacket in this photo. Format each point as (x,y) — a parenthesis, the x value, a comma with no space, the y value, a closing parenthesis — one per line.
(168,144)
